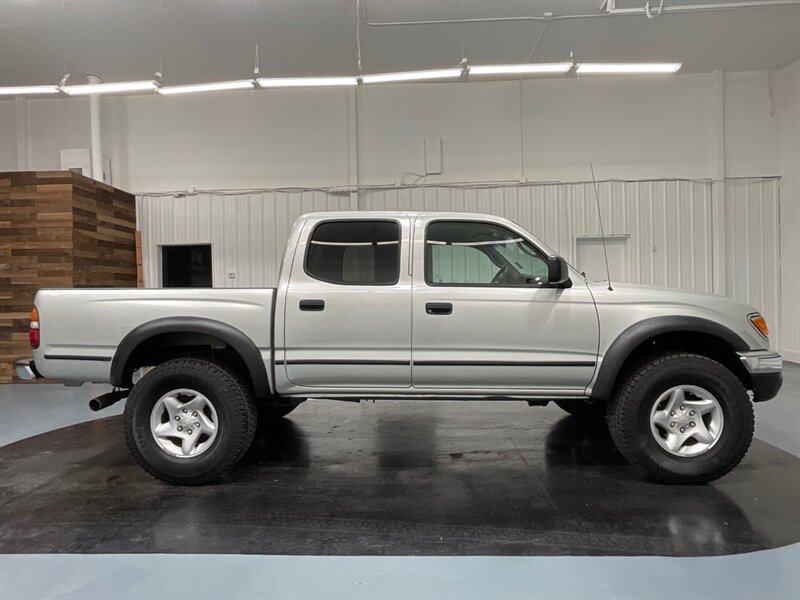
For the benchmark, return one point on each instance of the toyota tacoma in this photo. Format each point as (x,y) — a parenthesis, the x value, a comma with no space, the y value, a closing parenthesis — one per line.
(427,306)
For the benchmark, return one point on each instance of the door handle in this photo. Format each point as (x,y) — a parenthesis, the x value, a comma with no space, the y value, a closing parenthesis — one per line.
(315,305)
(439,308)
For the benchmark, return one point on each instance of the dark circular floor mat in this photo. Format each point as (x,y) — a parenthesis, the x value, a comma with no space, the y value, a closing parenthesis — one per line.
(417,478)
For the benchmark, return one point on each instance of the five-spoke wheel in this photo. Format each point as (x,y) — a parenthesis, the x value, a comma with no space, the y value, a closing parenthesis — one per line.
(686,420)
(190,420)
(184,423)
(683,418)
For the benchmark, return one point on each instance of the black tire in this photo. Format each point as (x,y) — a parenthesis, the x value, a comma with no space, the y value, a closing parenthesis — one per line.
(589,411)
(629,418)
(236,414)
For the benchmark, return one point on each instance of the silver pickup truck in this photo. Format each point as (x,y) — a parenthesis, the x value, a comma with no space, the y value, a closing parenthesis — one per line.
(421,306)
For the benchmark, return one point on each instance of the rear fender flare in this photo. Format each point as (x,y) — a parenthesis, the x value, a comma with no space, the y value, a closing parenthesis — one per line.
(121,373)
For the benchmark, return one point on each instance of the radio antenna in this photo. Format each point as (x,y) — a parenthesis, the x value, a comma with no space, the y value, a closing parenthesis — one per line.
(602,231)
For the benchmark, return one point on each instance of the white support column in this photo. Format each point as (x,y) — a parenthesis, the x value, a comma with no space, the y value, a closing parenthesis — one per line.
(718,208)
(23,137)
(94,127)
(352,145)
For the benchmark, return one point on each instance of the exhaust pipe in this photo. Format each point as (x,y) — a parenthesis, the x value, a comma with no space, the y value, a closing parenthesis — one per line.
(107,399)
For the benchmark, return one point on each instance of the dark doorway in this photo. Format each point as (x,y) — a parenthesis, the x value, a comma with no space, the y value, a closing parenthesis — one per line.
(186,266)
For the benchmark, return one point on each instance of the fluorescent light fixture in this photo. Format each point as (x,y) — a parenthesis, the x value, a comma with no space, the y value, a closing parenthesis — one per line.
(281,82)
(22,90)
(243,84)
(110,88)
(520,69)
(412,76)
(621,68)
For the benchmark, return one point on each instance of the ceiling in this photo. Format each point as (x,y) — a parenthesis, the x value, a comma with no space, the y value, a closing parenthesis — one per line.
(211,40)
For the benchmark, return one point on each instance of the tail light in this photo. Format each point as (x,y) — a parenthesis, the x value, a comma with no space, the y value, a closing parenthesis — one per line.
(33,332)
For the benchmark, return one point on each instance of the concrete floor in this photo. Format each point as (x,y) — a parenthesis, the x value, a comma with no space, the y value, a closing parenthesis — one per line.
(27,410)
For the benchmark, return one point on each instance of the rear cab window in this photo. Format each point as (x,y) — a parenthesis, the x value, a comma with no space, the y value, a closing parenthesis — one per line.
(354,252)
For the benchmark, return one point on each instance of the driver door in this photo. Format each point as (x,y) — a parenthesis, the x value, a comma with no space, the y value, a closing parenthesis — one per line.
(484,317)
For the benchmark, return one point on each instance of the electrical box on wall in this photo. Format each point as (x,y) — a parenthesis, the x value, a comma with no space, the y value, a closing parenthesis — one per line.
(433,156)
(79,160)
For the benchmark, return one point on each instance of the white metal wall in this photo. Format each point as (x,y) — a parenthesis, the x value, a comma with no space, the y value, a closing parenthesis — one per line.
(711,237)
(247,232)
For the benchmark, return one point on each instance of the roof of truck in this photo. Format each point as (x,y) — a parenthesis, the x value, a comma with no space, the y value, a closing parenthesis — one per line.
(362,214)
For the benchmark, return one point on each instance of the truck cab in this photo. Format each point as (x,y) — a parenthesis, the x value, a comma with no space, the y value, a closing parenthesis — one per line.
(429,304)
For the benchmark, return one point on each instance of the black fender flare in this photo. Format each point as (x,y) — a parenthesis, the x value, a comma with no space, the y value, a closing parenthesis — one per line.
(637,334)
(234,338)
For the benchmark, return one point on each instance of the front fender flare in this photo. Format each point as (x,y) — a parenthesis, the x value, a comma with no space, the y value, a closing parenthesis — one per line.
(121,373)
(637,334)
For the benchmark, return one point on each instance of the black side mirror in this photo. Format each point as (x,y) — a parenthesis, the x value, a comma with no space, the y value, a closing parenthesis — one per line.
(558,272)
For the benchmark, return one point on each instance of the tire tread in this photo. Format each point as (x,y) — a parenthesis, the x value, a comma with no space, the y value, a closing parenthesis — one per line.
(622,419)
(233,385)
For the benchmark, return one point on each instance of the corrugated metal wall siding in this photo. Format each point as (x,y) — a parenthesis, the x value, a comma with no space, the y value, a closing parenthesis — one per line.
(248,232)
(667,221)
(673,239)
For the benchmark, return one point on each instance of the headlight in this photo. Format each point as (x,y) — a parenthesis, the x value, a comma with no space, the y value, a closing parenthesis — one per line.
(760,324)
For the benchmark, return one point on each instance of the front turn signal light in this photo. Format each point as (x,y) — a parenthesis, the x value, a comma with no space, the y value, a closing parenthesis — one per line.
(760,323)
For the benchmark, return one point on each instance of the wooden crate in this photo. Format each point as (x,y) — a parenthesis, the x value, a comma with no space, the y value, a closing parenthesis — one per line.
(57,230)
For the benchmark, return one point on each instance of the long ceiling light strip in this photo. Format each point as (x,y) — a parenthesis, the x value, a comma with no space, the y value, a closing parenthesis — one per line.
(528,69)
(110,88)
(627,68)
(284,82)
(243,84)
(24,90)
(287,82)
(412,76)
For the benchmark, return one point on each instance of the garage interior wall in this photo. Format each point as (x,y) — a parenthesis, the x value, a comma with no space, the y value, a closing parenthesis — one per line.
(671,233)
(647,131)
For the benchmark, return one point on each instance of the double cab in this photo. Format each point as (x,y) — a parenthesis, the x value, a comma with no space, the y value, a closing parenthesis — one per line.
(426,306)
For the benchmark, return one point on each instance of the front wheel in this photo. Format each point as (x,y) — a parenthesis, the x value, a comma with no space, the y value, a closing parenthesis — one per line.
(189,420)
(683,418)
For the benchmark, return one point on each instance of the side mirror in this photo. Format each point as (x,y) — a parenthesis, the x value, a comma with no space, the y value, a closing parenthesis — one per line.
(558,272)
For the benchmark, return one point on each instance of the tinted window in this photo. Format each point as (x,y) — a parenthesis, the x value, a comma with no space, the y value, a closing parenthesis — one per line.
(472,253)
(355,252)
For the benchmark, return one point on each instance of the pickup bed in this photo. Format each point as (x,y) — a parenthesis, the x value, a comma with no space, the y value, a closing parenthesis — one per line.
(414,305)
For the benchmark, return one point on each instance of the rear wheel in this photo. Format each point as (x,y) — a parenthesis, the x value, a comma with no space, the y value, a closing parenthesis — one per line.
(189,420)
(584,409)
(683,418)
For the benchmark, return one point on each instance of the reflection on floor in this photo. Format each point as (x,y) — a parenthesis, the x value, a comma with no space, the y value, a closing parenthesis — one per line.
(410,478)
(422,474)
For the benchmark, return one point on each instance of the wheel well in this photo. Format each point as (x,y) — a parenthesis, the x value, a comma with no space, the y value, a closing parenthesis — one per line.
(704,344)
(165,346)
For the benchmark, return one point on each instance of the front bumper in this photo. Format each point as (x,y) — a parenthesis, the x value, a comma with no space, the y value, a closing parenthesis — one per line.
(26,370)
(766,373)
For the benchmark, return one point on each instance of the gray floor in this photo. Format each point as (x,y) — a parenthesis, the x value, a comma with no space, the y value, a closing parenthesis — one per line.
(31,409)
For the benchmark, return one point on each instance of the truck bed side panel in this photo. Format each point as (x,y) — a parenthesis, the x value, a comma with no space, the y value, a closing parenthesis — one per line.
(81,329)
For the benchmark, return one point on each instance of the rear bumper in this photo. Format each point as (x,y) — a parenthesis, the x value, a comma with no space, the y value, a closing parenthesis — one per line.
(26,370)
(766,373)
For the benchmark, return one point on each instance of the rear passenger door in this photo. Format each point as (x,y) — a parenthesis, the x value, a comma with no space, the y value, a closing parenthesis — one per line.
(348,305)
